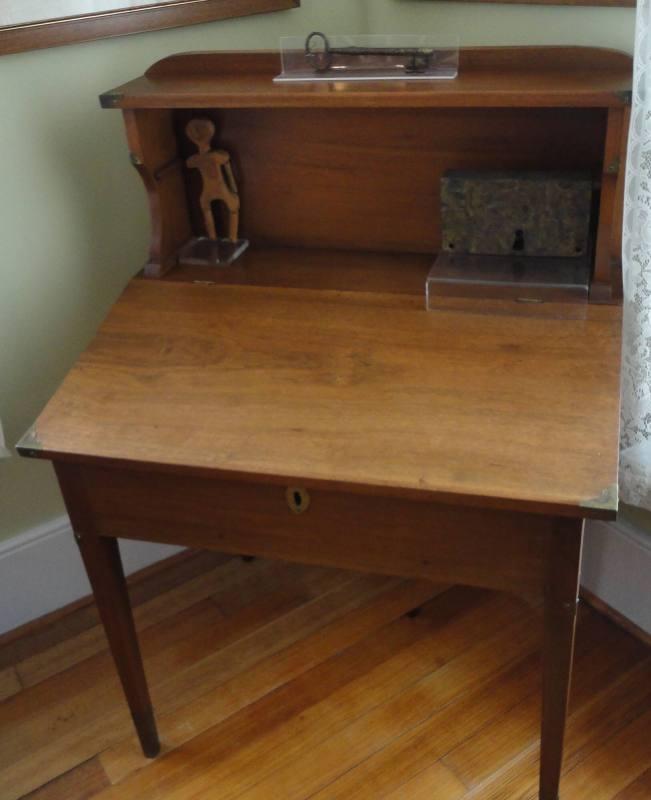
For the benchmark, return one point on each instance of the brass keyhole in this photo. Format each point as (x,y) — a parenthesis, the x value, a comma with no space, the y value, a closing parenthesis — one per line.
(297,499)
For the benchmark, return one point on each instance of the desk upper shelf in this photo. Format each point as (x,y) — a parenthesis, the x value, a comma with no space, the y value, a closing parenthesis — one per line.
(488,77)
(357,166)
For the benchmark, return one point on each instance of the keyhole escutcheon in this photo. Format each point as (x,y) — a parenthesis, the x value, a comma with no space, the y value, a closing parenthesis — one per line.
(297,499)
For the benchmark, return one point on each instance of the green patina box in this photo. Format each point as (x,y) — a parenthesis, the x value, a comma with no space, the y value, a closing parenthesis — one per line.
(513,242)
(523,213)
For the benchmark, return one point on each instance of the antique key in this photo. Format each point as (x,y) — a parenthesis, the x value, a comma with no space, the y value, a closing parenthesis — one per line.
(319,51)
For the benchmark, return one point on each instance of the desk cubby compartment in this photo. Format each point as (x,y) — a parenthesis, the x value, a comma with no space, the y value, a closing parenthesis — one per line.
(356,167)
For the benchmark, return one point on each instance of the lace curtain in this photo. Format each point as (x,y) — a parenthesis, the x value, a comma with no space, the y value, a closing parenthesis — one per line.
(636,375)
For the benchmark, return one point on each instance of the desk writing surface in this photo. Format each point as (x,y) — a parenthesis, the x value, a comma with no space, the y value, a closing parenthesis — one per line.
(352,389)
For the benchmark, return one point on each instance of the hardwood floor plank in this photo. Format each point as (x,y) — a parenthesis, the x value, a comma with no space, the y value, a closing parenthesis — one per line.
(639,789)
(587,728)
(43,634)
(279,681)
(598,663)
(66,719)
(315,581)
(222,663)
(387,747)
(305,637)
(434,783)
(81,783)
(75,649)
(9,683)
(615,764)
(253,725)
(243,744)
(53,629)
(294,720)
(417,748)
(186,566)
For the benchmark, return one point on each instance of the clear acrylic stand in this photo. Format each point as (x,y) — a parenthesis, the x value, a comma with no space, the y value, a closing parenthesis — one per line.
(203,251)
(518,286)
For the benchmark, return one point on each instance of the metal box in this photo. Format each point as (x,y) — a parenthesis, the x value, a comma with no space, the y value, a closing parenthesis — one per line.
(513,242)
(512,213)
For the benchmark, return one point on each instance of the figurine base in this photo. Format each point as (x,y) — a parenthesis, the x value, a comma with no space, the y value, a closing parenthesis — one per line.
(212,252)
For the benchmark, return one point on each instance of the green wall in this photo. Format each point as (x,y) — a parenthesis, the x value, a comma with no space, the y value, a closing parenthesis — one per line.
(73,217)
(489,23)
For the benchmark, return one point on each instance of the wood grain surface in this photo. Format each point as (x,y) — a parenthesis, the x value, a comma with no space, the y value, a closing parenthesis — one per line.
(349,390)
(313,268)
(388,536)
(447,445)
(303,182)
(297,682)
(153,152)
(488,77)
(377,188)
(153,16)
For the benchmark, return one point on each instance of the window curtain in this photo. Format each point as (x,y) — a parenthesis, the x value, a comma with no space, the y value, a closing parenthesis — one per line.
(635,472)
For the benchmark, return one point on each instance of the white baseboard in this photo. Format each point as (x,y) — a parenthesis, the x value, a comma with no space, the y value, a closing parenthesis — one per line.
(617,568)
(41,570)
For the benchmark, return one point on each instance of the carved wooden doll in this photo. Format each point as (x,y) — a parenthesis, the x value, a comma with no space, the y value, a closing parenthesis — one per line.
(218,181)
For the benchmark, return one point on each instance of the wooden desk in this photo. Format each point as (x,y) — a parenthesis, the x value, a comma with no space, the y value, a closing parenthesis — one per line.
(306,407)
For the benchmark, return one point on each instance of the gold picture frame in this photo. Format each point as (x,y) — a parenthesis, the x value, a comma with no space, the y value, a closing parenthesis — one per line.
(32,34)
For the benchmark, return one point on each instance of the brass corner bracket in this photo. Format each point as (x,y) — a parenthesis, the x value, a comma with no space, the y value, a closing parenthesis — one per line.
(625,96)
(30,446)
(110,99)
(606,500)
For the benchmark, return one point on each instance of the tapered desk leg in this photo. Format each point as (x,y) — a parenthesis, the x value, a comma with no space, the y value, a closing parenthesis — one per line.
(104,567)
(101,558)
(561,596)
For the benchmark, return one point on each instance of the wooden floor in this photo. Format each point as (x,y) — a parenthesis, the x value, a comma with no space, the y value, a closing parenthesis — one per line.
(278,682)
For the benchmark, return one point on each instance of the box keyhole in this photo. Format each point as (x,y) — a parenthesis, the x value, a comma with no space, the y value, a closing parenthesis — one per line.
(297,499)
(518,242)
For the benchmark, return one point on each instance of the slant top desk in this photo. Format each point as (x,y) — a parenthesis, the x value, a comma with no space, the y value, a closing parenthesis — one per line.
(302,404)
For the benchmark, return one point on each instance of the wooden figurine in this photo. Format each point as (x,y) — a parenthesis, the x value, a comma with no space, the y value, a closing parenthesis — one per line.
(216,175)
